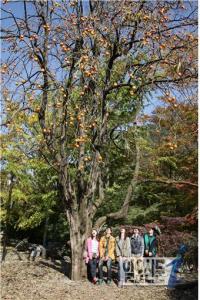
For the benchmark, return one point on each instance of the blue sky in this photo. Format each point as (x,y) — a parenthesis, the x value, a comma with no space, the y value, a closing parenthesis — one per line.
(17,8)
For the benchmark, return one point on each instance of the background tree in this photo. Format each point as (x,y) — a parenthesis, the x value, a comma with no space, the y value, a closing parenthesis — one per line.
(83,68)
(33,199)
(168,181)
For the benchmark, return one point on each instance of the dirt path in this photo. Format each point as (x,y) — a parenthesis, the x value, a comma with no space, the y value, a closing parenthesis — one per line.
(28,281)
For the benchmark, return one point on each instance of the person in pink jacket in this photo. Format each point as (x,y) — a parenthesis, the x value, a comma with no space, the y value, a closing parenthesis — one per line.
(92,254)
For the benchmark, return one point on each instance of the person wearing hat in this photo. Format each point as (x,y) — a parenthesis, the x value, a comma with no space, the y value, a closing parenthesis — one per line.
(137,251)
(123,253)
(107,254)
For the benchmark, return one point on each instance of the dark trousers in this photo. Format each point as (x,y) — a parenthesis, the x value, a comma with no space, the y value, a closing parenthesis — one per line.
(153,264)
(92,267)
(108,263)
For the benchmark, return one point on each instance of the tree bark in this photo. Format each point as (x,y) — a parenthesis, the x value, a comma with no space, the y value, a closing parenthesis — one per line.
(79,231)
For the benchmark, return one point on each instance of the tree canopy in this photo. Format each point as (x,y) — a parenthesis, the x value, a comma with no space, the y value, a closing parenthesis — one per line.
(75,79)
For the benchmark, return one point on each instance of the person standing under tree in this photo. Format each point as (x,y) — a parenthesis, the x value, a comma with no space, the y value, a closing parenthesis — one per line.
(107,254)
(150,241)
(92,255)
(123,252)
(151,244)
(137,251)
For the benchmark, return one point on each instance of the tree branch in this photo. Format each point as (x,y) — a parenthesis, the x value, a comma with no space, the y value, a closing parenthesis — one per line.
(121,213)
(172,182)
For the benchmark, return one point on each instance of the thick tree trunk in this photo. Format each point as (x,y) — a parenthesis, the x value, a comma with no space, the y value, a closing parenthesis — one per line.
(76,256)
(78,236)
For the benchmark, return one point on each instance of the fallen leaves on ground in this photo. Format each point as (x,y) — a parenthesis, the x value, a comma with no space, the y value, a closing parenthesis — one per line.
(41,280)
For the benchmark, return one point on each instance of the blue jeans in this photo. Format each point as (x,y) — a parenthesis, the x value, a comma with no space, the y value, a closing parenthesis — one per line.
(93,267)
(121,272)
(109,266)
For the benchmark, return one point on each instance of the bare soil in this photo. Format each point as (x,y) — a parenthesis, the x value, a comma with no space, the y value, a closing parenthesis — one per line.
(45,280)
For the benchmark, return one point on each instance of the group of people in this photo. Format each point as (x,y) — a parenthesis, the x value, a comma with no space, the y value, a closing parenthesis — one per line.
(124,249)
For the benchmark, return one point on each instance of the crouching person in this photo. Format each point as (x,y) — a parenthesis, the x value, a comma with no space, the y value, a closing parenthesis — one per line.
(123,252)
(107,254)
(92,255)
(137,250)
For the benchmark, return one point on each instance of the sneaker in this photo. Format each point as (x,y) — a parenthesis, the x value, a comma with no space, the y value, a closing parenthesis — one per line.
(120,284)
(94,280)
(100,281)
(109,282)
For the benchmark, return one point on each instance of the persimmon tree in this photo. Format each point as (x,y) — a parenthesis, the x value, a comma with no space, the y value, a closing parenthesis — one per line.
(82,70)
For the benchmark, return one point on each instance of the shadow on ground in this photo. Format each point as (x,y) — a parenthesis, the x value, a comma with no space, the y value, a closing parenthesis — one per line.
(59,265)
(185,292)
